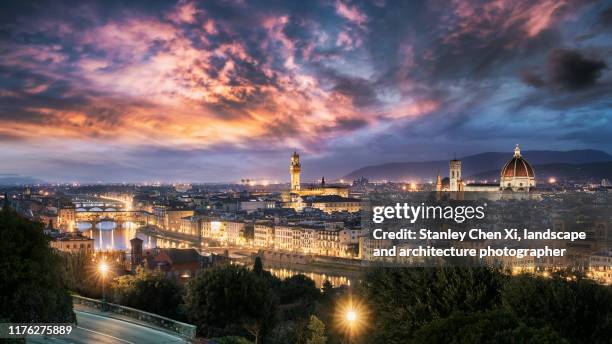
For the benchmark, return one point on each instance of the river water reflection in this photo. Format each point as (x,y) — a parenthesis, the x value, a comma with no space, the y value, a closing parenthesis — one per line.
(108,236)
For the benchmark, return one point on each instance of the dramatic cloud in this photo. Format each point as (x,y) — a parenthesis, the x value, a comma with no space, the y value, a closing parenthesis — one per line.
(210,85)
(569,70)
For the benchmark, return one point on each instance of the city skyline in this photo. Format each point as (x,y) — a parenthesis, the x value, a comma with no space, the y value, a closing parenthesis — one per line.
(190,91)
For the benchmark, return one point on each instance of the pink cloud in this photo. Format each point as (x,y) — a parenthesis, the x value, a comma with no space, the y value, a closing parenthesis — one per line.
(185,12)
(485,19)
(350,13)
(155,85)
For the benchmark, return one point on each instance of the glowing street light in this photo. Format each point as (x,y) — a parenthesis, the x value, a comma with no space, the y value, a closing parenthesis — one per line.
(103,269)
(351,317)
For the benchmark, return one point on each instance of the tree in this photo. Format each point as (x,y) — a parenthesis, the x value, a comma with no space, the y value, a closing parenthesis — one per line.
(81,274)
(316,330)
(258,266)
(149,291)
(579,311)
(231,300)
(32,285)
(298,288)
(494,326)
(327,289)
(404,299)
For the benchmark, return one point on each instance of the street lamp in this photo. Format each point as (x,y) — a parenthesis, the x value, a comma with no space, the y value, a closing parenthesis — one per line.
(103,269)
(351,316)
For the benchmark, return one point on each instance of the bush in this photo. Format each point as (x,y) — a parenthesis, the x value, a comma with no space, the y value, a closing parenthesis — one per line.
(231,300)
(149,291)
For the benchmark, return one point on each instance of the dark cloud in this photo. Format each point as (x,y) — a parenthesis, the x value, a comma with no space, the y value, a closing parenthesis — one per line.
(532,79)
(567,70)
(361,91)
(605,17)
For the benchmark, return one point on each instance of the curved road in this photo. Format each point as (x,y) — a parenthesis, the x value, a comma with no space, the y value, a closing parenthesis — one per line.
(94,328)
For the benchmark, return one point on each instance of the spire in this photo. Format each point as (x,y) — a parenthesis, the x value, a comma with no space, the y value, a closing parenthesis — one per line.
(517,151)
(323,181)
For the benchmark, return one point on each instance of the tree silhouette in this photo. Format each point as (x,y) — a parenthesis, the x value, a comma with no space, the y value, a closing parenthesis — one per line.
(32,286)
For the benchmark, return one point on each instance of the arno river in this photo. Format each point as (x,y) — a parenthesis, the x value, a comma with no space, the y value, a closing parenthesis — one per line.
(107,236)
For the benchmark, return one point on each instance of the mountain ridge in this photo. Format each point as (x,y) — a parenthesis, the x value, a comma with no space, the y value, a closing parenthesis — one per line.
(475,164)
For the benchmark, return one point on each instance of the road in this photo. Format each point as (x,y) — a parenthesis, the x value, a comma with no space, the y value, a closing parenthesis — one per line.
(94,328)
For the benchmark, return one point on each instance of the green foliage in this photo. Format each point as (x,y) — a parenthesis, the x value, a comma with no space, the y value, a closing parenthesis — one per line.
(81,274)
(258,266)
(298,288)
(405,299)
(231,300)
(316,330)
(32,285)
(493,326)
(298,296)
(475,305)
(579,311)
(230,340)
(148,291)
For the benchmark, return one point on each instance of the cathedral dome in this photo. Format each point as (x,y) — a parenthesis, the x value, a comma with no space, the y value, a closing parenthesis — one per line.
(517,166)
(517,173)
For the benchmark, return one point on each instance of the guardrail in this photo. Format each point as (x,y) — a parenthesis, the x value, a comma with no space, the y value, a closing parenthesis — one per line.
(185,330)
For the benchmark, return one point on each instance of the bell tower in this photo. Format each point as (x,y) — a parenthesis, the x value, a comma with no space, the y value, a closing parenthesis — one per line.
(455,175)
(294,170)
(439,182)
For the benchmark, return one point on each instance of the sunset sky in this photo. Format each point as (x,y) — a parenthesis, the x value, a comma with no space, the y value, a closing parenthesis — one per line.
(223,90)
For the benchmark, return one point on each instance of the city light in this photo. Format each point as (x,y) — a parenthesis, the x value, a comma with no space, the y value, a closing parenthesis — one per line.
(103,268)
(552,180)
(351,316)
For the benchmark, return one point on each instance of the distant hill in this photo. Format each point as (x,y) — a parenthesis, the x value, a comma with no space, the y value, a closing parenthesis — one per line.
(474,165)
(594,171)
(15,179)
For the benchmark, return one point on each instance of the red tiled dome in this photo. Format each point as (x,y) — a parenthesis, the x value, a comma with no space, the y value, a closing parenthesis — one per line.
(517,167)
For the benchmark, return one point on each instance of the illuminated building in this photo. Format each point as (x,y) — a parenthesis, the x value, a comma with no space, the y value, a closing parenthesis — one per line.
(174,218)
(66,216)
(313,239)
(517,176)
(291,197)
(234,232)
(73,242)
(439,182)
(295,167)
(600,267)
(456,183)
(263,235)
(330,204)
